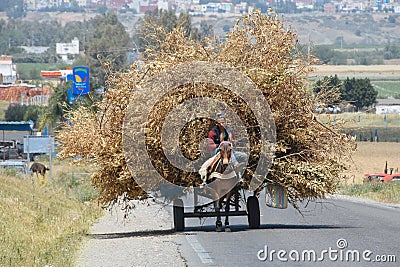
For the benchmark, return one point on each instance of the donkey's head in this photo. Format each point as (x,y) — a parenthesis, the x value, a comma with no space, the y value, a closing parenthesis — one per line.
(225,150)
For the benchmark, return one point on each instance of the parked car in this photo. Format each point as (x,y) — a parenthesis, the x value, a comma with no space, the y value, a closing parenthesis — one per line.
(380,177)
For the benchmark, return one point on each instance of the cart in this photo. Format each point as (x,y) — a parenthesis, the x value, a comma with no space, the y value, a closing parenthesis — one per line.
(242,206)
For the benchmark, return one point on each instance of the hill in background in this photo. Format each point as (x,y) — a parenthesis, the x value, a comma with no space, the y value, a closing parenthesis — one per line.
(317,28)
(330,29)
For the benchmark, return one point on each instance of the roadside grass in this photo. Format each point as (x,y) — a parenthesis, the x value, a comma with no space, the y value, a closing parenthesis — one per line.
(371,157)
(44,224)
(361,119)
(382,192)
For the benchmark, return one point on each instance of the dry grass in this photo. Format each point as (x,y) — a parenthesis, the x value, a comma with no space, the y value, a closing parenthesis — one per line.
(355,120)
(374,71)
(371,157)
(382,192)
(51,219)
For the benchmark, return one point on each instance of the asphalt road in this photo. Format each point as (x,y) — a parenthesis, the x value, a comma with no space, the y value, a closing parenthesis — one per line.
(333,232)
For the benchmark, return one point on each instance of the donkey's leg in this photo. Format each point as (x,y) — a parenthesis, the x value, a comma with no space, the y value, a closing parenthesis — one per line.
(218,222)
(227,209)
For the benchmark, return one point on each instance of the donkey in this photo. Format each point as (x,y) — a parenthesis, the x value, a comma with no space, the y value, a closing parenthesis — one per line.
(219,171)
(39,168)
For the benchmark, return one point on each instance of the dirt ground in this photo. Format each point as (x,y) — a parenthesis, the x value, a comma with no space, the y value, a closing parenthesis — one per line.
(367,70)
(371,157)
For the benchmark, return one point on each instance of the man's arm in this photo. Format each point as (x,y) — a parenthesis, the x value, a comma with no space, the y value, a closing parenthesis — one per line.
(211,145)
(231,136)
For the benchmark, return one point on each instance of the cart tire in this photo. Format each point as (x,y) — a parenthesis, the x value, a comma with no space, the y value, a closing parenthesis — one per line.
(253,212)
(179,216)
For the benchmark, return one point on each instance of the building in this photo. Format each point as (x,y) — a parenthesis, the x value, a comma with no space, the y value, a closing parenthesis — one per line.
(83,3)
(163,5)
(387,106)
(116,4)
(31,4)
(66,49)
(329,8)
(148,5)
(8,70)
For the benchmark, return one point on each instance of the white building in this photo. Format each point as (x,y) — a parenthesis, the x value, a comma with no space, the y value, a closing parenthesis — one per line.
(31,4)
(83,3)
(8,70)
(65,49)
(163,5)
(387,106)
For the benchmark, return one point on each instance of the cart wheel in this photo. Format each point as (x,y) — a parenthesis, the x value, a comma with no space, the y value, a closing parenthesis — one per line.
(179,218)
(253,212)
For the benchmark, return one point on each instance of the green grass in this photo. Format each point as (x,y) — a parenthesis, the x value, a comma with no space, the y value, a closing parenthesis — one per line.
(382,192)
(387,88)
(32,70)
(42,224)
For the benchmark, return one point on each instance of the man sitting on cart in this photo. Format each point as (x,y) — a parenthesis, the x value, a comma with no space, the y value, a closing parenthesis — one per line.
(222,132)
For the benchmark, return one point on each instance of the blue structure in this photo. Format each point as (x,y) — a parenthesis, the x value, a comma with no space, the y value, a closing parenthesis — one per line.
(16,126)
(79,83)
(81,80)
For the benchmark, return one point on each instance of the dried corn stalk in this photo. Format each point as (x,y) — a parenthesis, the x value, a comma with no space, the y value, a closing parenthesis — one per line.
(310,157)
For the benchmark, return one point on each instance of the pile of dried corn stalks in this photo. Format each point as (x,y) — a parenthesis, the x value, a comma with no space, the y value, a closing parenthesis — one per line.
(310,157)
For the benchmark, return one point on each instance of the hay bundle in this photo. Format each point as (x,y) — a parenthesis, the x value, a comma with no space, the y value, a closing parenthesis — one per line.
(309,157)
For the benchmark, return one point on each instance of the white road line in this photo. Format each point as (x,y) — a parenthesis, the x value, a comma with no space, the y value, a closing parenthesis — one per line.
(198,248)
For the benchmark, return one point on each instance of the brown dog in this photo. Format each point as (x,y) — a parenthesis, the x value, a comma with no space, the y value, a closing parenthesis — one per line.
(39,168)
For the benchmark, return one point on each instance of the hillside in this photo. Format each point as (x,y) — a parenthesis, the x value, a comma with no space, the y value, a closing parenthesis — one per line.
(328,29)
(362,29)
(316,28)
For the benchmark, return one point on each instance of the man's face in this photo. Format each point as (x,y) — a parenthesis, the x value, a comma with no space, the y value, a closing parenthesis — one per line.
(221,123)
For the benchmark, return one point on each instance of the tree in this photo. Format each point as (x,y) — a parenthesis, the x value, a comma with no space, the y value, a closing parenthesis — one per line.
(327,91)
(107,48)
(391,51)
(167,20)
(359,92)
(15,113)
(34,113)
(324,53)
(23,113)
(15,9)
(206,30)
(327,83)
(57,106)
